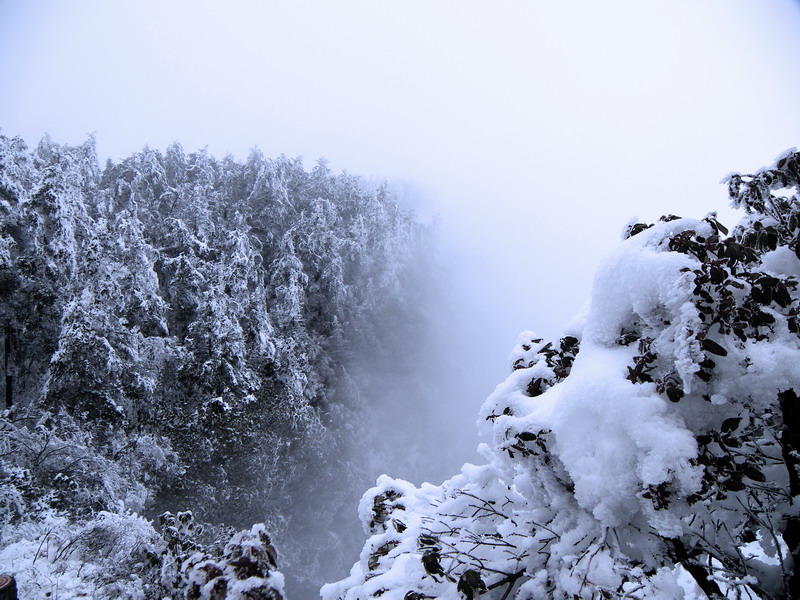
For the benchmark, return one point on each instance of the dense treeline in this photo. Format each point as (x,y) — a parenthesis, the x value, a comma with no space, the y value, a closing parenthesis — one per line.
(177,336)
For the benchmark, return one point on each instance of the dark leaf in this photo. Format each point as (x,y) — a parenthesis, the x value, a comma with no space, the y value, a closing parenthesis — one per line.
(771,240)
(781,296)
(733,250)
(731,424)
(427,540)
(704,375)
(471,584)
(734,485)
(674,394)
(536,387)
(569,343)
(705,309)
(412,595)
(713,347)
(762,319)
(718,274)
(708,363)
(761,295)
(430,560)
(754,473)
(730,441)
(748,536)
(637,228)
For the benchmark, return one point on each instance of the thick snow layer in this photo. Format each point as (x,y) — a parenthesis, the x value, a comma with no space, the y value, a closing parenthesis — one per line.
(615,438)
(640,279)
(652,426)
(781,261)
(642,283)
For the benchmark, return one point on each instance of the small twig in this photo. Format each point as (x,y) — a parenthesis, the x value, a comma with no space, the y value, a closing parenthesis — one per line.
(44,539)
(511,580)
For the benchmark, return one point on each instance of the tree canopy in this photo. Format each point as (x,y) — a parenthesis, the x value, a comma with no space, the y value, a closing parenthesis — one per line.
(178,332)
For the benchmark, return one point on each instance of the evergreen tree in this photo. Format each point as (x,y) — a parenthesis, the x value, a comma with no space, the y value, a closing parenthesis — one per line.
(177,334)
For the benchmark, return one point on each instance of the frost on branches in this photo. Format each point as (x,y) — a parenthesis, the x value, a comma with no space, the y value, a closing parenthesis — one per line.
(177,335)
(652,452)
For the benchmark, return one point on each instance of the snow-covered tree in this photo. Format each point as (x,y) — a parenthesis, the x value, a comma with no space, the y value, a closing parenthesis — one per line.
(187,326)
(651,452)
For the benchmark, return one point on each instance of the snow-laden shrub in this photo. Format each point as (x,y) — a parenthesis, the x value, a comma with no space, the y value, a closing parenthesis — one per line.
(108,556)
(247,570)
(651,452)
(50,461)
(235,566)
(121,555)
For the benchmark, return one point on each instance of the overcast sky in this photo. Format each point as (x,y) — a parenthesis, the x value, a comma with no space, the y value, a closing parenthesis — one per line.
(536,129)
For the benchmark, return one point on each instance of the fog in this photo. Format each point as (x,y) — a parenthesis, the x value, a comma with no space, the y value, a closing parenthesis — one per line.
(536,130)
(531,132)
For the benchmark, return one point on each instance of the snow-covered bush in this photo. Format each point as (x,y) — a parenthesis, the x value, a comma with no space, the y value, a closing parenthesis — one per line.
(121,555)
(51,462)
(245,571)
(651,452)
(235,566)
(108,556)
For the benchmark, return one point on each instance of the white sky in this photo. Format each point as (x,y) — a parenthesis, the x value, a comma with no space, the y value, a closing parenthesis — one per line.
(536,129)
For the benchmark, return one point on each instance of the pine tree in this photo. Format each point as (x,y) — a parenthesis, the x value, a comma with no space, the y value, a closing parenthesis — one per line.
(187,325)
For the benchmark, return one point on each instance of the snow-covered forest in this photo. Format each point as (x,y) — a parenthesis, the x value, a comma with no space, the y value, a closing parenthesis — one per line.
(188,402)
(264,267)
(181,341)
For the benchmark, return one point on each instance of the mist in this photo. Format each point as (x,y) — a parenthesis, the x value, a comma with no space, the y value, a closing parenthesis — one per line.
(536,130)
(413,401)
(527,134)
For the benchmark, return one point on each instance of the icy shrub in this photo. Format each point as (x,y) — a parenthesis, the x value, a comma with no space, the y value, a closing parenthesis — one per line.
(108,556)
(122,556)
(50,461)
(247,570)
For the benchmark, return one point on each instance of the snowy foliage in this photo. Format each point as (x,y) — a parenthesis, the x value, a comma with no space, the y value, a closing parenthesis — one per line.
(176,335)
(651,452)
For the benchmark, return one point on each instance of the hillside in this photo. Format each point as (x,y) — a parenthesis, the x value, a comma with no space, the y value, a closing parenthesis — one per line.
(179,335)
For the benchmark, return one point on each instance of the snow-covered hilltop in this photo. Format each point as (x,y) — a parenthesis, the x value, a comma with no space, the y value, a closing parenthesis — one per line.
(652,452)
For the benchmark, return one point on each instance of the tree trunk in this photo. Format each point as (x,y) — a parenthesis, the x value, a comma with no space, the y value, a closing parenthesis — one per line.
(8,588)
(9,380)
(790,448)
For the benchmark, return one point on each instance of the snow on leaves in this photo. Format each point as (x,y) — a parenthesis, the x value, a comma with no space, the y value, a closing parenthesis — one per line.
(649,453)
